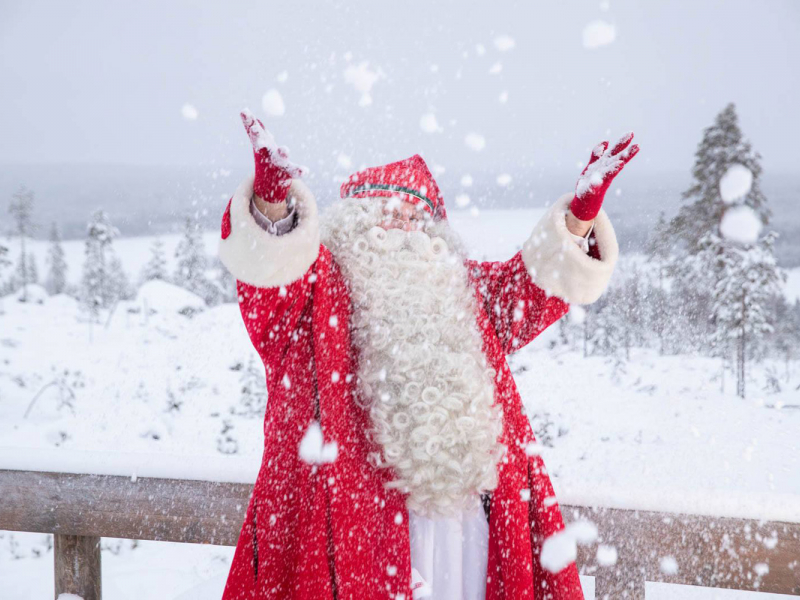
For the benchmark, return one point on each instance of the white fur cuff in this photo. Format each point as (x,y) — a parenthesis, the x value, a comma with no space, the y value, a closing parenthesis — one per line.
(559,266)
(263,259)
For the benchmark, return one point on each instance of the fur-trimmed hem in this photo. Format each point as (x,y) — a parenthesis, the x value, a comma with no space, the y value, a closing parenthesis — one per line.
(263,259)
(560,267)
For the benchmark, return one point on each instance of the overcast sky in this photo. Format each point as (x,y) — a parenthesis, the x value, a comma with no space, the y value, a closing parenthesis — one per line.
(105,82)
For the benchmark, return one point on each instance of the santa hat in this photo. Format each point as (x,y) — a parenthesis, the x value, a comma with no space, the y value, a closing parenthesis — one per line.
(410,179)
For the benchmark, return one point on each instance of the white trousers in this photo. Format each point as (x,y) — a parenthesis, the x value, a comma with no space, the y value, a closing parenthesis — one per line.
(449,556)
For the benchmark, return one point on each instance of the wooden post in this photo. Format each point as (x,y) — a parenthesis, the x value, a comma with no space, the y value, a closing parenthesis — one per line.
(77,566)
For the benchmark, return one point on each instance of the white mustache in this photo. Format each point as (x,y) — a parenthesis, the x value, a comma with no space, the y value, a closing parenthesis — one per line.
(418,242)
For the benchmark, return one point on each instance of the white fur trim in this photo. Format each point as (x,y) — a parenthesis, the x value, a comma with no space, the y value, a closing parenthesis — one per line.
(263,259)
(559,266)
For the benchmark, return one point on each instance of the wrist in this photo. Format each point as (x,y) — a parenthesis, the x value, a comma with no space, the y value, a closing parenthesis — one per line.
(578,226)
(274,211)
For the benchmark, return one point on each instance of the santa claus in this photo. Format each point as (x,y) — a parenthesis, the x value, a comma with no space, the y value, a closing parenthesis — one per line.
(397,460)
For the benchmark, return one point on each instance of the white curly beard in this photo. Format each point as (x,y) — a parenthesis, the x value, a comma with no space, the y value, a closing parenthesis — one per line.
(423,374)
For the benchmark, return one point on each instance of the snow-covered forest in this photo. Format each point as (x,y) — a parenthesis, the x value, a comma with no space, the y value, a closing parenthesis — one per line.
(126,354)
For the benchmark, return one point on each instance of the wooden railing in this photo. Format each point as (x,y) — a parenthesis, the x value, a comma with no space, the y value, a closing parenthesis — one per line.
(731,553)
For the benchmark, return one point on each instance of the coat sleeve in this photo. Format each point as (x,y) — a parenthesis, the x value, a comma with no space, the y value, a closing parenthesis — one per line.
(274,273)
(525,295)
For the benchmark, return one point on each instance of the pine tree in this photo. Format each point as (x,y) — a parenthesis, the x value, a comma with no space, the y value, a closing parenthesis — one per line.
(156,267)
(225,282)
(658,249)
(21,210)
(118,280)
(4,264)
(56,281)
(729,281)
(192,263)
(33,273)
(786,331)
(748,279)
(253,398)
(97,283)
(722,146)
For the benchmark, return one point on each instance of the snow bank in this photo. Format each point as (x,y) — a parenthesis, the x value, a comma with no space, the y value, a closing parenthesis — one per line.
(32,293)
(240,469)
(159,296)
(770,506)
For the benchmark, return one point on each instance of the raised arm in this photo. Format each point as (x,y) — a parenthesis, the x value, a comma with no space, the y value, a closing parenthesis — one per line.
(525,295)
(274,272)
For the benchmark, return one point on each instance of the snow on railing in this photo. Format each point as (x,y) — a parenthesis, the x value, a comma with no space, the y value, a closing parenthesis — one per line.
(632,546)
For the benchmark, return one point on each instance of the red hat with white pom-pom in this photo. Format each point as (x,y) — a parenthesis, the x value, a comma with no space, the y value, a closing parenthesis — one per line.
(409,179)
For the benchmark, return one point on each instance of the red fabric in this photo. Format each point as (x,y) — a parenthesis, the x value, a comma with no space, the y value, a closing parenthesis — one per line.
(586,204)
(273,174)
(332,530)
(226,221)
(411,173)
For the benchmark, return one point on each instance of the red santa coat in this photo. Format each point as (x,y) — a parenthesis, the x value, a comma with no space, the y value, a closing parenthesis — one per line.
(332,530)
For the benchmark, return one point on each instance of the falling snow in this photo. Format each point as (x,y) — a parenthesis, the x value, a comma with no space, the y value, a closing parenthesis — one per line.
(314,450)
(735,184)
(272,103)
(462,200)
(504,43)
(668,565)
(598,33)
(740,224)
(363,78)
(429,124)
(189,112)
(475,141)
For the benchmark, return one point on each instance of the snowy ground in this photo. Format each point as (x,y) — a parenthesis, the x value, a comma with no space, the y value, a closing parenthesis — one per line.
(161,383)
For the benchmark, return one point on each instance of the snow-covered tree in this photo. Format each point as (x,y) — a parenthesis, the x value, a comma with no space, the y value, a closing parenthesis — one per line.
(21,210)
(225,282)
(747,279)
(33,270)
(660,304)
(786,331)
(56,281)
(97,285)
(726,270)
(226,441)
(722,147)
(118,279)
(25,273)
(156,267)
(4,262)
(620,321)
(190,255)
(192,263)
(5,286)
(253,397)
(723,150)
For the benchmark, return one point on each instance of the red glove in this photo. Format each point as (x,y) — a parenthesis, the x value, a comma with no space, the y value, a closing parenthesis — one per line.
(597,176)
(274,171)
